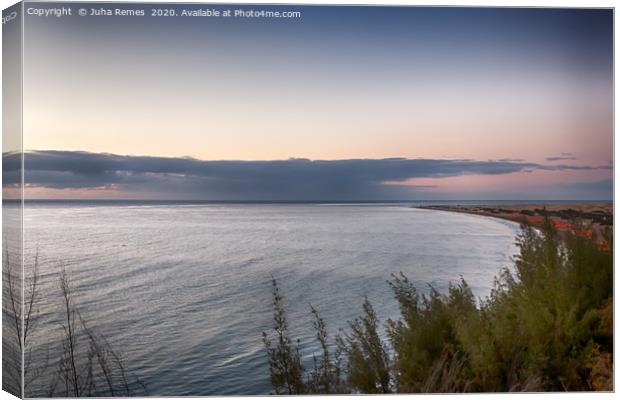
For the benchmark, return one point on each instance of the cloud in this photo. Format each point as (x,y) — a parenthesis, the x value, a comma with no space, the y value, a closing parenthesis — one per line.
(292,179)
(510,160)
(562,157)
(605,185)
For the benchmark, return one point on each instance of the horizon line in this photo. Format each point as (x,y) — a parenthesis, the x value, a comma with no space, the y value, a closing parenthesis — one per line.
(325,201)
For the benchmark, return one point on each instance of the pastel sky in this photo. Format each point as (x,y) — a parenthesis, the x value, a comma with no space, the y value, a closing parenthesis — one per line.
(530,87)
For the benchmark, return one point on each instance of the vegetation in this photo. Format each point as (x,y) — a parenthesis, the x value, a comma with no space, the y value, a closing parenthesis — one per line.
(547,325)
(284,361)
(87,365)
(84,364)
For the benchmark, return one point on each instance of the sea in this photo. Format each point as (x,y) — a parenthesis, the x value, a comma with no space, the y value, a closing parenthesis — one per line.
(183,290)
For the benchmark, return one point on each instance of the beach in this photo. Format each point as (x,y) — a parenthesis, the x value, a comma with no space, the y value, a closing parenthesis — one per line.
(587,219)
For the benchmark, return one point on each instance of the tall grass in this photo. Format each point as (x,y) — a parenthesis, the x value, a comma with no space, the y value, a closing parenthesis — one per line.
(547,325)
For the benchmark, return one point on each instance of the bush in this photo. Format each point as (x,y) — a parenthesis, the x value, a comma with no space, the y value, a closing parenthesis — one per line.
(547,325)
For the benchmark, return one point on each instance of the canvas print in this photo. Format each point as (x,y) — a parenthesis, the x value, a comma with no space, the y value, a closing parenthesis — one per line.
(246,199)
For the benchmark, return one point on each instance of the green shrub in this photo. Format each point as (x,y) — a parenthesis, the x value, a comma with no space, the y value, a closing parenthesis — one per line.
(285,365)
(547,325)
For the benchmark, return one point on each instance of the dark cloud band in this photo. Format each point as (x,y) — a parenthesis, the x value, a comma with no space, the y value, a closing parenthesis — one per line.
(292,179)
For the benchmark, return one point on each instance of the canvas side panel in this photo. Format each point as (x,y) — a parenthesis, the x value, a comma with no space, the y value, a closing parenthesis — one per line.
(12,205)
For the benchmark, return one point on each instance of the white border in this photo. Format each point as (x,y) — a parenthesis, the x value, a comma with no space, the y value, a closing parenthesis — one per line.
(478,3)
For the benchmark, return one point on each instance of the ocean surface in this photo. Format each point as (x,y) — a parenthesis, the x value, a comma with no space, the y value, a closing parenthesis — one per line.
(183,291)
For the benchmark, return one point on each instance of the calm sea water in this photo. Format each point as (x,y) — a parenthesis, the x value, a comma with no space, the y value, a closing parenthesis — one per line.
(184,292)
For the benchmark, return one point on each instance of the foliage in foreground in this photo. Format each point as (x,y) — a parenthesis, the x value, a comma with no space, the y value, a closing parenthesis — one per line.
(547,325)
(82,363)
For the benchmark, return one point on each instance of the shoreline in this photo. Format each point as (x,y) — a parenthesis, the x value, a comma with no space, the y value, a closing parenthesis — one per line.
(583,219)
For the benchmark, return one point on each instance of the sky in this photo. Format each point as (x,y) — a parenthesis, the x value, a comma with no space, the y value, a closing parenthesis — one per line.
(344,103)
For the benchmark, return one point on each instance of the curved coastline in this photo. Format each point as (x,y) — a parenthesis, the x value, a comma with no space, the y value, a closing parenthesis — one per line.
(591,214)
(451,209)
